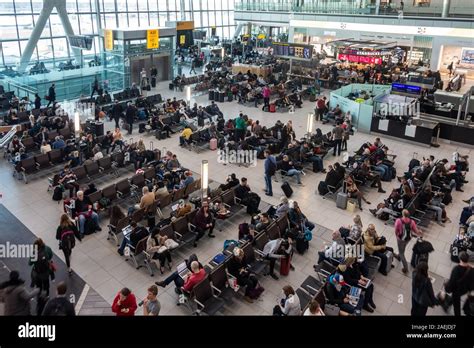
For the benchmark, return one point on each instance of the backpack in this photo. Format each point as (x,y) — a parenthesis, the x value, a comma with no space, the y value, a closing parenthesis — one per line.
(229,242)
(308,235)
(68,240)
(406,231)
(243,230)
(104,202)
(58,193)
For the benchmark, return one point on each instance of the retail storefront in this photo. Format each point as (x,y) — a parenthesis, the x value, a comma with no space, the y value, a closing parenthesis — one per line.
(429,44)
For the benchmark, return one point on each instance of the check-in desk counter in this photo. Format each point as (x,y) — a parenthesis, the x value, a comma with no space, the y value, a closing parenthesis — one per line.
(420,131)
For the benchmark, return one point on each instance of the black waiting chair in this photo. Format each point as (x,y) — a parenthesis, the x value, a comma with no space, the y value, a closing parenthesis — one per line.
(207,302)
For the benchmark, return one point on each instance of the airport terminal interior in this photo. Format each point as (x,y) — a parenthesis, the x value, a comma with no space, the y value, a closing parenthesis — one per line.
(234,157)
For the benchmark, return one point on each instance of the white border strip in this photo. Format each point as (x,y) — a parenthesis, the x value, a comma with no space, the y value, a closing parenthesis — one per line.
(82,298)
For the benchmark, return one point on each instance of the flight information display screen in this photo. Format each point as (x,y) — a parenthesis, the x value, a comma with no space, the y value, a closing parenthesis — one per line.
(292,50)
(80,41)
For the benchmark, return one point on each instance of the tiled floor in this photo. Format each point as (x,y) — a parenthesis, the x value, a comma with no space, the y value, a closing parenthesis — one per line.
(96,259)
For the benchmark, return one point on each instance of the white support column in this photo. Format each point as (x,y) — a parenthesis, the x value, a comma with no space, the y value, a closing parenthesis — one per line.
(377,7)
(446,6)
(48,6)
(61,8)
(35,34)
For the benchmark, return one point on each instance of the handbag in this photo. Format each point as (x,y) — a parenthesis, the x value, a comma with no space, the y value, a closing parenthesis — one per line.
(381,241)
(171,244)
(52,267)
(331,310)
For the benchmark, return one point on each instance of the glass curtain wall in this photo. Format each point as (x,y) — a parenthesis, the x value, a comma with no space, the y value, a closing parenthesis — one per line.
(18,17)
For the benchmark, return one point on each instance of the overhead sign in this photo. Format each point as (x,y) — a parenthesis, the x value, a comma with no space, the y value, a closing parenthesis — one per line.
(261,36)
(80,41)
(109,39)
(152,39)
(182,39)
(185,25)
(292,50)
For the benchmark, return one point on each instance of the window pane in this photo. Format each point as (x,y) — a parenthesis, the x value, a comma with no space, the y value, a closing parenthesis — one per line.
(172,16)
(25,26)
(21,7)
(46,32)
(109,5)
(204,4)
(162,5)
(143,19)
(110,21)
(133,20)
(8,27)
(212,18)
(44,49)
(87,25)
(37,6)
(123,20)
(142,5)
(71,6)
(60,48)
(153,19)
(172,5)
(11,52)
(163,18)
(122,5)
(153,5)
(197,19)
(56,25)
(132,5)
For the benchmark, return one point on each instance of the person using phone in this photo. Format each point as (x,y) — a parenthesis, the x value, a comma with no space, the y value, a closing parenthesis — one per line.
(125,303)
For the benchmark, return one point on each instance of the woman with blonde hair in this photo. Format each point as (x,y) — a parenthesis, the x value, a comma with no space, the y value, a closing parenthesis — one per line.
(377,246)
(66,234)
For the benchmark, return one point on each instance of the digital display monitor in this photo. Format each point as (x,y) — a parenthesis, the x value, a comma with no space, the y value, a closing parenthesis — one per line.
(400,88)
(81,41)
(292,50)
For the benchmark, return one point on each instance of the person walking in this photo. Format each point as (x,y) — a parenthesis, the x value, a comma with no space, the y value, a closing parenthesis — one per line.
(16,298)
(266,98)
(66,234)
(117,113)
(422,294)
(270,169)
(450,68)
(461,281)
(95,87)
(193,67)
(130,114)
(51,95)
(60,305)
(338,132)
(405,228)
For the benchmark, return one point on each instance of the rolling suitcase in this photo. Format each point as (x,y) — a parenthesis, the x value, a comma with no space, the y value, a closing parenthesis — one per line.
(341,200)
(141,127)
(213,144)
(389,255)
(171,86)
(160,135)
(230,97)
(211,94)
(285,266)
(221,97)
(153,82)
(287,190)
(272,108)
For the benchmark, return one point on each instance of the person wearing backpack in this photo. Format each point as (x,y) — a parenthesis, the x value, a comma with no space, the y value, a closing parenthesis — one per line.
(66,234)
(41,269)
(422,291)
(59,306)
(270,169)
(405,227)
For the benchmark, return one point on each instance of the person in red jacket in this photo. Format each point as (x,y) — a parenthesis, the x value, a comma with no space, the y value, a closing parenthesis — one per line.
(197,274)
(125,303)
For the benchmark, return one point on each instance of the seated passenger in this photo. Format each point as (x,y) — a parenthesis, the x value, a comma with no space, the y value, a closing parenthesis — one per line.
(290,170)
(83,210)
(337,293)
(289,303)
(297,219)
(238,268)
(375,245)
